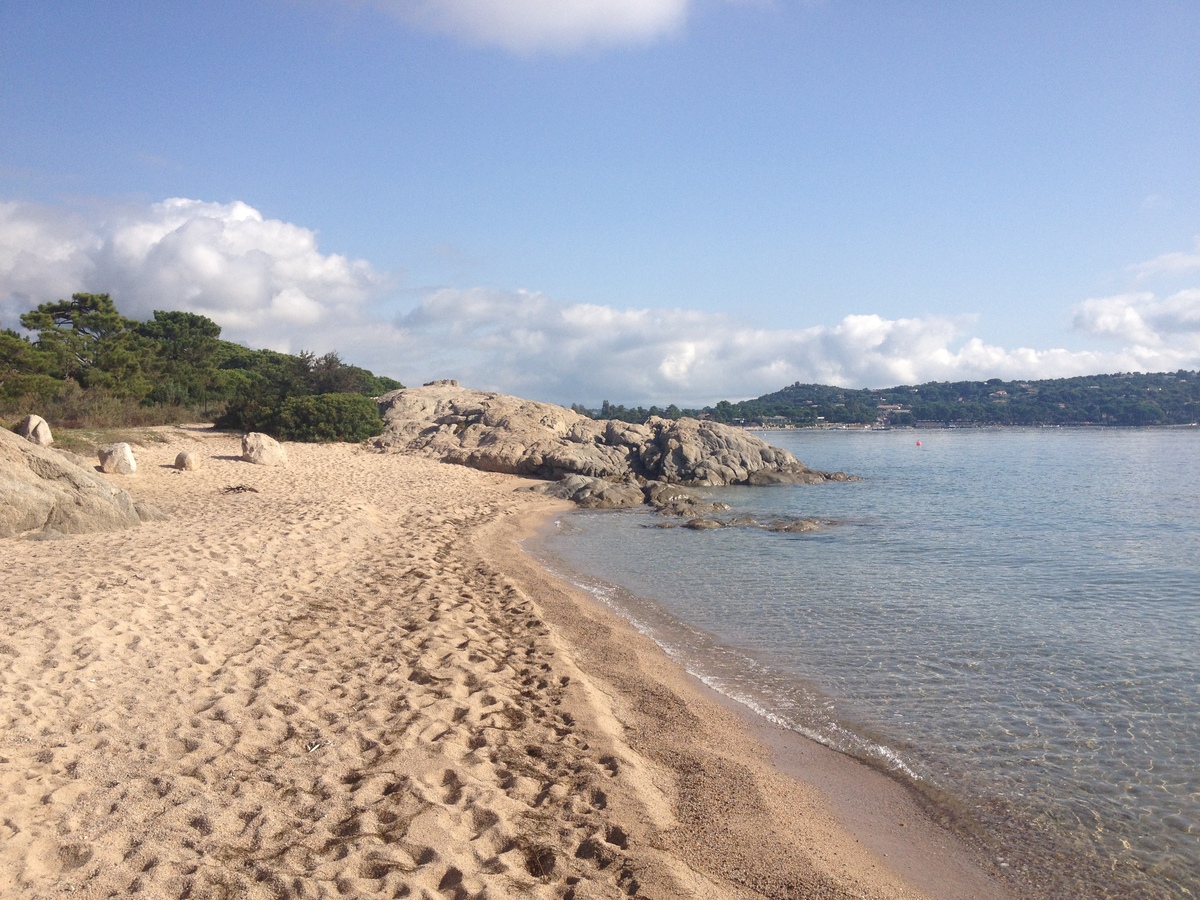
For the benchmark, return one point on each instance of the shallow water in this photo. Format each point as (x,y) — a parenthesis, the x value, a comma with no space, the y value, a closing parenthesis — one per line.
(1010,618)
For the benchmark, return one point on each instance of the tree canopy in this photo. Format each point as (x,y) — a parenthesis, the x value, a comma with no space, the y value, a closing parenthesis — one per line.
(88,364)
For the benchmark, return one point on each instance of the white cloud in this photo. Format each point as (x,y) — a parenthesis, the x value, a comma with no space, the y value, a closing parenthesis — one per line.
(527,26)
(527,343)
(1169,325)
(1119,316)
(267,283)
(263,280)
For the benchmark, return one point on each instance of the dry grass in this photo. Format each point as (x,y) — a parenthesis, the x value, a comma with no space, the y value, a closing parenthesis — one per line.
(85,441)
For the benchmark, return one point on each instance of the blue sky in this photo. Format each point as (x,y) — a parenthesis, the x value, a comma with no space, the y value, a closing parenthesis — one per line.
(647,201)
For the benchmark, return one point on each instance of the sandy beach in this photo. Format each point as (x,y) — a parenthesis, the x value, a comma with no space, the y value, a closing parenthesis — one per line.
(345,678)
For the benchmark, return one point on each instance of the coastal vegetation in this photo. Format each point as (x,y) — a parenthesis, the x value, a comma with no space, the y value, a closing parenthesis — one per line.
(1164,398)
(87,366)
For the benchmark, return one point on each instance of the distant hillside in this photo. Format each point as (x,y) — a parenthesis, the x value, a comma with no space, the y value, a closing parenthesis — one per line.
(1165,398)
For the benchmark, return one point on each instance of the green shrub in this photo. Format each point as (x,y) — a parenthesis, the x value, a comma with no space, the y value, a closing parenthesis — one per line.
(64,404)
(248,414)
(328,417)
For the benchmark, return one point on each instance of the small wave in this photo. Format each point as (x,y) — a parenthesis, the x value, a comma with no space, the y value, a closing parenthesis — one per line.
(846,741)
(829,734)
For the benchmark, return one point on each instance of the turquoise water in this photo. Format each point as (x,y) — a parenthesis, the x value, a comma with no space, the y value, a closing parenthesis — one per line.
(1009,619)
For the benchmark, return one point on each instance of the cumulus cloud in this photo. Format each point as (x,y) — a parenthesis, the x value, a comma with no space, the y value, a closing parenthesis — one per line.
(267,283)
(1163,328)
(263,280)
(528,26)
(527,343)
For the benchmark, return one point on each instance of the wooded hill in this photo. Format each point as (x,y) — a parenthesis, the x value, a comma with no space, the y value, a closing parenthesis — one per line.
(1167,398)
(89,366)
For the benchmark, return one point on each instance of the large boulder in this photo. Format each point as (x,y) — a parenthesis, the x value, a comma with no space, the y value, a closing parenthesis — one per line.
(48,491)
(36,430)
(500,433)
(117,459)
(689,451)
(594,493)
(263,450)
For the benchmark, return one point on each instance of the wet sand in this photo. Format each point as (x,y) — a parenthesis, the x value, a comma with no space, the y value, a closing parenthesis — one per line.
(351,681)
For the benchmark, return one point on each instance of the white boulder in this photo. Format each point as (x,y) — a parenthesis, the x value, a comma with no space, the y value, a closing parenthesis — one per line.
(117,459)
(263,450)
(36,430)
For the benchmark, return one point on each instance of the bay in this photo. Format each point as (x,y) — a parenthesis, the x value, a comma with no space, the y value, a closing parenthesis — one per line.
(1008,618)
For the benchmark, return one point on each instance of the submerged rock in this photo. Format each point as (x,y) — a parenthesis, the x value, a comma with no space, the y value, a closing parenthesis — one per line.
(792,526)
(674,500)
(779,526)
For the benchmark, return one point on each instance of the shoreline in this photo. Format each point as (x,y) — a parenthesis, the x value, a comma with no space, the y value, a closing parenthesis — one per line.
(353,680)
(864,832)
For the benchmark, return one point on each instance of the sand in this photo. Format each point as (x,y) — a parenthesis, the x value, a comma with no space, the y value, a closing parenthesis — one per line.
(350,681)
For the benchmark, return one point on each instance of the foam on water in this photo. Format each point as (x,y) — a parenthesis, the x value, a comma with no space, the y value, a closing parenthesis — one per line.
(701,656)
(1009,616)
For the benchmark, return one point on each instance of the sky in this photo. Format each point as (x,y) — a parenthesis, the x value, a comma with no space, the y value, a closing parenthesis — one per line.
(641,201)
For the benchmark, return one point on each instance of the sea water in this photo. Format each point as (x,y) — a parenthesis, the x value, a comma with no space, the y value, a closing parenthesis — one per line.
(1008,619)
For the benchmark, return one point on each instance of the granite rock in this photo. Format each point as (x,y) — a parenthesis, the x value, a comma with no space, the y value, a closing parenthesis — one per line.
(46,491)
(187,461)
(117,459)
(36,430)
(594,493)
(263,450)
(501,433)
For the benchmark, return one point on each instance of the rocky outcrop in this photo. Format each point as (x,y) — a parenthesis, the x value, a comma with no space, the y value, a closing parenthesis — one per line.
(45,491)
(500,433)
(36,430)
(594,493)
(117,459)
(263,450)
